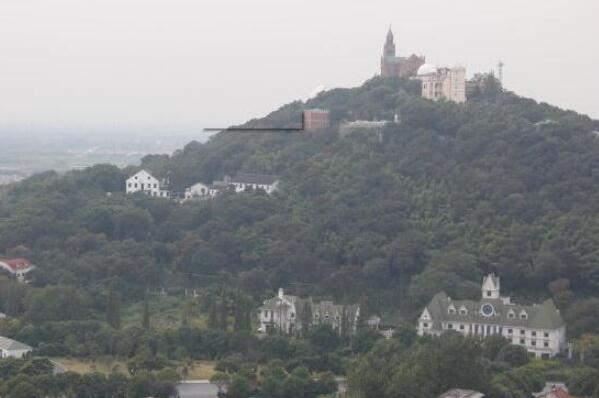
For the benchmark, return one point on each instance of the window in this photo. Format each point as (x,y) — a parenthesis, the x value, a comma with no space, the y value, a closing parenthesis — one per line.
(522,331)
(533,343)
(546,344)
(136,185)
(463,311)
(449,326)
(425,325)
(546,334)
(129,185)
(522,341)
(510,331)
(489,293)
(461,327)
(533,333)
(511,315)
(155,185)
(523,315)
(451,311)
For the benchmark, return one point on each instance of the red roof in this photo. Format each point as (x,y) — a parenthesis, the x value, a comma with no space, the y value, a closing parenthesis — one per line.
(17,264)
(556,393)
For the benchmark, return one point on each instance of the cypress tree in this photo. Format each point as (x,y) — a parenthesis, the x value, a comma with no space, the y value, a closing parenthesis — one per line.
(146,314)
(212,314)
(306,319)
(113,309)
(223,314)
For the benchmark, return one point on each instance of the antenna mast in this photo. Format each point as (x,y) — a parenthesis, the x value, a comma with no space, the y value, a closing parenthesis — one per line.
(500,66)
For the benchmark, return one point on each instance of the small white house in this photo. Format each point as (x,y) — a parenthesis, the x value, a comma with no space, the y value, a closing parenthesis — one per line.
(17,267)
(198,190)
(10,348)
(247,181)
(143,181)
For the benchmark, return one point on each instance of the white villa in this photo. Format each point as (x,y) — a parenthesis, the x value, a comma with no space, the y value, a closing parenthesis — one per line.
(443,83)
(240,182)
(539,328)
(143,181)
(13,349)
(284,312)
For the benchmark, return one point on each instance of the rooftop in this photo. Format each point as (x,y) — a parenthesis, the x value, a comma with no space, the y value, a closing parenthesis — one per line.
(11,345)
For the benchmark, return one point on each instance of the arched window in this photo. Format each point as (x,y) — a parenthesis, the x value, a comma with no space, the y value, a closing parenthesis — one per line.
(523,315)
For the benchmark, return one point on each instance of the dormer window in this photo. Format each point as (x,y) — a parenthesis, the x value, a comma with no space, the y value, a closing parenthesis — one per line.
(511,314)
(451,310)
(489,293)
(463,311)
(523,315)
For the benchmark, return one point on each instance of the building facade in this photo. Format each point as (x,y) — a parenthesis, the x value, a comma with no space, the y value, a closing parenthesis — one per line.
(316,120)
(539,328)
(393,65)
(143,181)
(287,313)
(443,83)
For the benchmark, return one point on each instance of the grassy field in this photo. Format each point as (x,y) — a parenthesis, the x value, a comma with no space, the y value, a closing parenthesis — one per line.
(165,312)
(195,369)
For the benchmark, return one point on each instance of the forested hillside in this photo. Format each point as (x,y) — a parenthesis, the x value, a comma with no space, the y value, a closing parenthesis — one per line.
(453,191)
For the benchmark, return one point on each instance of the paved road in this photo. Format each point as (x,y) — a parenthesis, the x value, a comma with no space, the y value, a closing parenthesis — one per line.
(197,389)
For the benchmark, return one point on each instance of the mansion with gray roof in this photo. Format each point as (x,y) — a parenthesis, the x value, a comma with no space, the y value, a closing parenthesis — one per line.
(287,313)
(539,328)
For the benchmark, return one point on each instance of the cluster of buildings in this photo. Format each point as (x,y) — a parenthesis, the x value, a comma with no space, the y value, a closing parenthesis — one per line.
(539,328)
(288,314)
(144,182)
(447,83)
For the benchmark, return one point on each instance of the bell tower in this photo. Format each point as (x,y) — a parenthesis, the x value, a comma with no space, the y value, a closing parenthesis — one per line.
(389,49)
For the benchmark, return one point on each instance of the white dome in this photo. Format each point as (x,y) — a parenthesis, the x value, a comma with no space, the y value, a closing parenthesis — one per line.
(427,69)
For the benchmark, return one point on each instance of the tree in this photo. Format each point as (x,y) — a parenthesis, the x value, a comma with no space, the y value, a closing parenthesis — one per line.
(145,320)
(113,309)
(306,317)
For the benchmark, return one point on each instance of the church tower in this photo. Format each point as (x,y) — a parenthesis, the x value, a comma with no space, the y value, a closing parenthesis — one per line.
(389,50)
(491,287)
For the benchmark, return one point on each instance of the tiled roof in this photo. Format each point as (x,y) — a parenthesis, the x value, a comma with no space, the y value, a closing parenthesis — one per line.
(542,316)
(10,344)
(259,179)
(459,393)
(17,264)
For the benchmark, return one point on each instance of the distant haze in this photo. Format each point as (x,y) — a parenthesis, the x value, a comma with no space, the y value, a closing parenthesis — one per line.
(86,65)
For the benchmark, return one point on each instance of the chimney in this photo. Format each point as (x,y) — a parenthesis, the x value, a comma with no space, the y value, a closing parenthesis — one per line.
(281,294)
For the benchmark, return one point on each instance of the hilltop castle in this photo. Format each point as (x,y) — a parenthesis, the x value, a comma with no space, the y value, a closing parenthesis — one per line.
(392,65)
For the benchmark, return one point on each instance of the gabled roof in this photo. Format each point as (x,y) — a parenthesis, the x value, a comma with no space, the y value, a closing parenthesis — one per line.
(460,393)
(542,316)
(17,264)
(258,179)
(11,345)
(555,393)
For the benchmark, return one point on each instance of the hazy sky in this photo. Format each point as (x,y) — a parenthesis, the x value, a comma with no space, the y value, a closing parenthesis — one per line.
(155,63)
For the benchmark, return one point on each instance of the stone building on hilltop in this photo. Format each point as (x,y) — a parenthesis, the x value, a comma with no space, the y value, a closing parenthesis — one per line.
(539,328)
(393,65)
(443,83)
(289,314)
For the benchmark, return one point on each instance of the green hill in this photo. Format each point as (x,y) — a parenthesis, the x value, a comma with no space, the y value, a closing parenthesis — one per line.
(500,184)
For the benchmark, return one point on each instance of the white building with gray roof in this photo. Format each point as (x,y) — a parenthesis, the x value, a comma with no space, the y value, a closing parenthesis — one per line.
(539,328)
(10,348)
